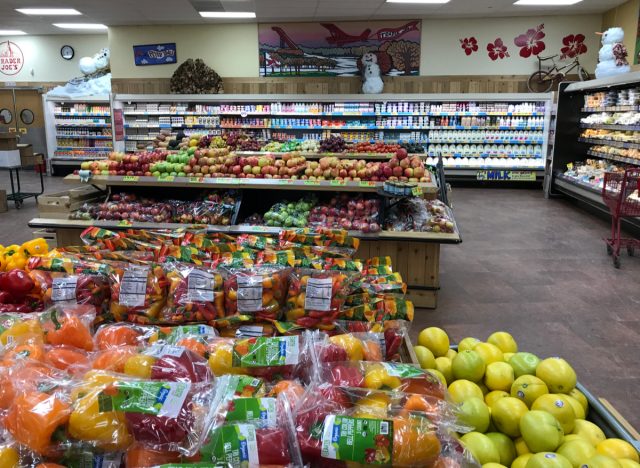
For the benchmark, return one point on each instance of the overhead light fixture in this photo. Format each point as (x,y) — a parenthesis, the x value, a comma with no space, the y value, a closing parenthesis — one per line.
(227,14)
(49,11)
(12,32)
(80,26)
(547,2)
(419,1)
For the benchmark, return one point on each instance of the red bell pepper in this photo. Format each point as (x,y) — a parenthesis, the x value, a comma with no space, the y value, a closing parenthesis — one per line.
(16,282)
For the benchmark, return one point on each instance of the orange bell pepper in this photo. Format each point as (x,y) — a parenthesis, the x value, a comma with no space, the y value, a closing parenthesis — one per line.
(69,330)
(33,418)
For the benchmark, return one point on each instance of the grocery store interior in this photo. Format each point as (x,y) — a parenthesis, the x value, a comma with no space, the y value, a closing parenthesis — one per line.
(310,233)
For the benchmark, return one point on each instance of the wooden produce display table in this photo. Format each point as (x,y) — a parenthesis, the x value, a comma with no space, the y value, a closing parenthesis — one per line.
(415,255)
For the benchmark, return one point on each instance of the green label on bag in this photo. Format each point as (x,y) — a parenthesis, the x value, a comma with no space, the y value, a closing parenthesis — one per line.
(403,371)
(232,445)
(266,352)
(156,398)
(184,331)
(357,439)
(262,410)
(247,386)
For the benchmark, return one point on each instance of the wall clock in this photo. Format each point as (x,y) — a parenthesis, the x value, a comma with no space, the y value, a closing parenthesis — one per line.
(67,52)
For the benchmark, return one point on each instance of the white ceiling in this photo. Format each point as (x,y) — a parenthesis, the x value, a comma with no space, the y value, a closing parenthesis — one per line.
(148,12)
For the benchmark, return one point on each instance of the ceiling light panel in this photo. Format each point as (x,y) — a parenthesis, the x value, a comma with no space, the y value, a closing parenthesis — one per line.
(432,2)
(227,14)
(49,11)
(79,26)
(12,32)
(547,2)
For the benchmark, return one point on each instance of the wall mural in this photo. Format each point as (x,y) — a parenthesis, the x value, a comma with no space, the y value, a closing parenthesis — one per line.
(497,50)
(573,46)
(335,49)
(531,42)
(469,45)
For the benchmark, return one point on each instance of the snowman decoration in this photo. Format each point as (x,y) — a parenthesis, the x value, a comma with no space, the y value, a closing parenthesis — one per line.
(98,63)
(372,83)
(613,54)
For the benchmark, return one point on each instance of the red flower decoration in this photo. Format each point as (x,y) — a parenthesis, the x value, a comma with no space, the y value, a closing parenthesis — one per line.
(497,50)
(531,43)
(574,46)
(469,44)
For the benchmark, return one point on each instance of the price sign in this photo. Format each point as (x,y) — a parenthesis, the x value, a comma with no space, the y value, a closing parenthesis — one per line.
(311,182)
(129,178)
(196,180)
(339,183)
(417,191)
(166,178)
(367,183)
(124,223)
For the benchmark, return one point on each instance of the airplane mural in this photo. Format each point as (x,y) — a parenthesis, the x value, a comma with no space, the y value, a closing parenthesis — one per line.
(326,49)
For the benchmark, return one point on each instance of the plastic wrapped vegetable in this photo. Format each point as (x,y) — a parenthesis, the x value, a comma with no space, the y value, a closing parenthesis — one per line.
(169,363)
(115,335)
(315,297)
(330,427)
(259,291)
(375,308)
(69,325)
(394,333)
(351,347)
(167,416)
(138,293)
(67,358)
(195,295)
(382,376)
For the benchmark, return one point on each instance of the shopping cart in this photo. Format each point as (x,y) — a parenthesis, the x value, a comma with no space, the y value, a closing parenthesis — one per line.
(621,193)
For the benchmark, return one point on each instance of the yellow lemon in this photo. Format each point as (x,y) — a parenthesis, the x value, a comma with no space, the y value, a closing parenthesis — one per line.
(602,461)
(577,451)
(505,447)
(557,374)
(559,407)
(579,396)
(578,409)
(467,343)
(498,376)
(504,341)
(425,357)
(541,431)
(481,447)
(451,353)
(474,413)
(9,458)
(617,448)
(460,390)
(626,463)
(524,363)
(491,397)
(521,461)
(570,437)
(506,414)
(528,388)
(443,364)
(483,387)
(436,339)
(489,353)
(507,356)
(548,460)
(468,365)
(589,431)
(521,446)
(493,465)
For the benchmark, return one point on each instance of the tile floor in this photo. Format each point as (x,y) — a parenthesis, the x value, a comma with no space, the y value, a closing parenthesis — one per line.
(534,267)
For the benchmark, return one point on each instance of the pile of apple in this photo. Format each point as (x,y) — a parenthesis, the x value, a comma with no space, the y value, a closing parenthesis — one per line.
(373,147)
(522,411)
(288,166)
(125,164)
(345,212)
(127,206)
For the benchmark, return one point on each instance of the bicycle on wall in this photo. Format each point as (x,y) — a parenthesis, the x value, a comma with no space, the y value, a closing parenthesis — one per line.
(542,81)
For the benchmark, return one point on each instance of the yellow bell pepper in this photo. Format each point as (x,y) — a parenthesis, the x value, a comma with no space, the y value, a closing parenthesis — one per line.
(3,262)
(92,422)
(37,247)
(351,344)
(14,257)
(9,457)
(23,332)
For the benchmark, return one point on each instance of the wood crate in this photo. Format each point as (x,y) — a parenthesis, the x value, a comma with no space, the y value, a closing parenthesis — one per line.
(60,205)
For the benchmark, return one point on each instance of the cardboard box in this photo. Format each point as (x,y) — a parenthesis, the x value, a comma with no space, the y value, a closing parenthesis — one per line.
(60,205)
(8,141)
(9,158)
(27,157)
(3,201)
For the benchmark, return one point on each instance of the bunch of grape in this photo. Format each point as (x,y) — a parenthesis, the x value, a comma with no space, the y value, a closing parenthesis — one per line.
(249,145)
(205,141)
(333,144)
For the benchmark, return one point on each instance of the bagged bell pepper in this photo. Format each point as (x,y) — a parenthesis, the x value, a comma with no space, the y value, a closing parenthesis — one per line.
(20,329)
(354,347)
(382,376)
(394,333)
(315,297)
(69,325)
(259,292)
(380,307)
(195,295)
(72,360)
(169,363)
(114,335)
(138,293)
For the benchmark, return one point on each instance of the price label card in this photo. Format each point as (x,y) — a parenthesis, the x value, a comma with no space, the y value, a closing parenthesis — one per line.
(133,287)
(166,178)
(367,183)
(64,289)
(249,293)
(318,294)
(311,182)
(417,191)
(158,350)
(196,180)
(200,286)
(340,183)
(124,223)
(130,178)
(570,166)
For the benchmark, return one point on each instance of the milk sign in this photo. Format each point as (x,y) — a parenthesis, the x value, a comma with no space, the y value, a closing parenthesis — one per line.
(11,58)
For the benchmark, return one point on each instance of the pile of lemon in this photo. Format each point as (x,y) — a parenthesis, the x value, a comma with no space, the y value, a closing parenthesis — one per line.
(525,412)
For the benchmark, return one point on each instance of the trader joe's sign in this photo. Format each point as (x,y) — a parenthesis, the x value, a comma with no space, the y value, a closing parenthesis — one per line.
(11,58)
(155,54)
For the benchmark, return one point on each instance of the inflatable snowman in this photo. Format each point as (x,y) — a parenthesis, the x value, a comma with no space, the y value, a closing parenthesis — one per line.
(99,62)
(613,54)
(373,83)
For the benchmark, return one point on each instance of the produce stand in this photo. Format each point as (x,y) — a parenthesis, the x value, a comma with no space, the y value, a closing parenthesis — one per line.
(415,255)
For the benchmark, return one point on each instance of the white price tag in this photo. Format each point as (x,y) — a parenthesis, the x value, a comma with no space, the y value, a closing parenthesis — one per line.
(249,331)
(177,394)
(318,296)
(200,286)
(64,289)
(133,287)
(249,293)
(164,350)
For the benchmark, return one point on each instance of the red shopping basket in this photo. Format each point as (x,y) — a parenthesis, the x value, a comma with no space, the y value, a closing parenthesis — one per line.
(621,193)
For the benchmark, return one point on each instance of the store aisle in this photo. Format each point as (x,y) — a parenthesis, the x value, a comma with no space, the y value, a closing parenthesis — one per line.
(534,267)
(538,269)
